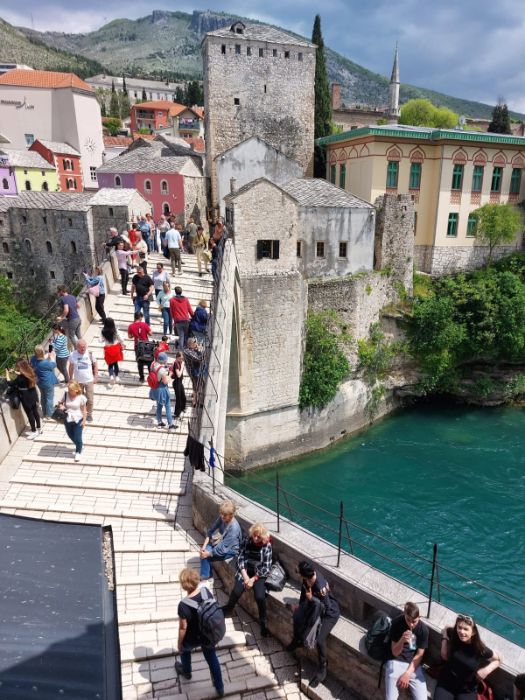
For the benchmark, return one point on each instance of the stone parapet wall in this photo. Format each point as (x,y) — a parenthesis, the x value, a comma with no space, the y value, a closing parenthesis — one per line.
(394,239)
(447,260)
(423,258)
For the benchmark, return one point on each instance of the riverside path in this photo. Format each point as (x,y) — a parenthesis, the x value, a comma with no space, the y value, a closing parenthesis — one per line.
(133,477)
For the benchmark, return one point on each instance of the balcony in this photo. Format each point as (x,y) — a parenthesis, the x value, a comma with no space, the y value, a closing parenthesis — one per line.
(189,125)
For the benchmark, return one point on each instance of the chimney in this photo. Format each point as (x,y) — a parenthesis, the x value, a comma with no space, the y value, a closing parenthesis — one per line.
(336,96)
(233,185)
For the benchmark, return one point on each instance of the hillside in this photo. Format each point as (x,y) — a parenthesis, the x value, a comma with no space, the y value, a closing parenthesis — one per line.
(167,44)
(17,47)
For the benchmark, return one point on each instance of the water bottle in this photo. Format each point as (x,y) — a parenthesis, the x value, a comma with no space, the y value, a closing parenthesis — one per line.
(412,645)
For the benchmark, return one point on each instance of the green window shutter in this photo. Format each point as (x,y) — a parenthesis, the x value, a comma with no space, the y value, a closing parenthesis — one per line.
(515,181)
(415,176)
(452,228)
(457,177)
(392,174)
(332,174)
(496,179)
(342,176)
(471,226)
(477,178)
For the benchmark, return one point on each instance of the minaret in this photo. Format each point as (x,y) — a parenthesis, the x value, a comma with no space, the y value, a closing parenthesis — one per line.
(393,108)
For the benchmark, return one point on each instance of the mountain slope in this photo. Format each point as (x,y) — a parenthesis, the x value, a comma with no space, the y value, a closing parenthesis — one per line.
(17,47)
(167,44)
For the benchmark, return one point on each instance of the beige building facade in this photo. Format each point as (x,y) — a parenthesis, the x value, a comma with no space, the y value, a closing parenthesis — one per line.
(449,173)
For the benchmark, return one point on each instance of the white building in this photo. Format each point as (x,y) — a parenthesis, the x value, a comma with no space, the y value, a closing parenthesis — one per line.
(37,104)
(154,89)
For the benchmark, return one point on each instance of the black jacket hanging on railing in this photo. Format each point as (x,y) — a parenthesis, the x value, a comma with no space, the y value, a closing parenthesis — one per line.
(195,451)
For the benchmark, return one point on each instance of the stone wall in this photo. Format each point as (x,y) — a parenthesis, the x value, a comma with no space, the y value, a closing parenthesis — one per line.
(269,96)
(394,239)
(195,199)
(446,260)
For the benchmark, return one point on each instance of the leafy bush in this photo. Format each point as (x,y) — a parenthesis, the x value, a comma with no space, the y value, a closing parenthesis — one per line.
(325,365)
(19,330)
(375,354)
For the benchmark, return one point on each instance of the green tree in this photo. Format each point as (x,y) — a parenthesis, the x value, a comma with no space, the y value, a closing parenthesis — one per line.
(194,94)
(124,105)
(144,96)
(103,112)
(500,123)
(422,112)
(180,95)
(497,224)
(114,106)
(323,106)
(113,125)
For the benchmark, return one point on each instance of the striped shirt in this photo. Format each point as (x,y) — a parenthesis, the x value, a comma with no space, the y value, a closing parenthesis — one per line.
(60,344)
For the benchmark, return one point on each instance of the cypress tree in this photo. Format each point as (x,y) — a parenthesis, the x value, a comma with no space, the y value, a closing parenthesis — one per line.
(323,107)
(500,123)
(114,106)
(144,96)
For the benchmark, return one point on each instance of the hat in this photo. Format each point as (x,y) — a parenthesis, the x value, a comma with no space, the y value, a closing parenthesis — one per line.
(306,569)
(162,357)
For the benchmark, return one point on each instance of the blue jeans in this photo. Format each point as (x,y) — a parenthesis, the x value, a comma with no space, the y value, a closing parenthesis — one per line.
(47,399)
(167,320)
(182,331)
(142,304)
(74,433)
(163,399)
(211,659)
(206,563)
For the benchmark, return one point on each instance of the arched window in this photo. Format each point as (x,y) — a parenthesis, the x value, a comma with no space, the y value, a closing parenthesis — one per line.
(118,181)
(5,247)
(75,184)
(165,208)
(5,184)
(28,185)
(73,247)
(70,183)
(28,245)
(164,187)
(45,186)
(49,247)
(147,185)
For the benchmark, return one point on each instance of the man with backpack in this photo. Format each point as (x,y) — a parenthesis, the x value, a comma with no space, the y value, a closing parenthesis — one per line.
(144,349)
(201,623)
(408,643)
(315,617)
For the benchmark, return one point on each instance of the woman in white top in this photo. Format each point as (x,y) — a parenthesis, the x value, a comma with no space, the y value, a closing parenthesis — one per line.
(123,257)
(141,247)
(74,402)
(163,300)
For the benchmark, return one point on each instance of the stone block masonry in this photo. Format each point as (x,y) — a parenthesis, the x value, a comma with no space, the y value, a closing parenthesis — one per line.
(394,240)
(446,260)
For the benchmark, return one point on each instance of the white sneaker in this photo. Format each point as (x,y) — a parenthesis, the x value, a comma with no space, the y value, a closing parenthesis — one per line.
(32,435)
(77,456)
(117,379)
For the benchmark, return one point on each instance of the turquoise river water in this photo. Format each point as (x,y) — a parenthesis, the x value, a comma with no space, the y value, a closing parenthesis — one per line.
(449,476)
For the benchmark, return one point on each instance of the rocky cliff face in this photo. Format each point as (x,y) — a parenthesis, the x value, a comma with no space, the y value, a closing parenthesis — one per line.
(202,22)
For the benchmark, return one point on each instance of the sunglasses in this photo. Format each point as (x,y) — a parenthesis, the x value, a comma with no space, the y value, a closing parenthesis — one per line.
(466,618)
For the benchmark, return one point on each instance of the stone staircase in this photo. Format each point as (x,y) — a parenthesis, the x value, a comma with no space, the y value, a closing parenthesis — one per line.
(132,476)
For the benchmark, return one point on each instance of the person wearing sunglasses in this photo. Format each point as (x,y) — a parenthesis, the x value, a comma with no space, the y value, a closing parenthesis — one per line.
(467,661)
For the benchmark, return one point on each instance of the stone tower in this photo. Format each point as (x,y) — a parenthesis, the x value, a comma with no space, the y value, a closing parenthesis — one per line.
(393,107)
(258,81)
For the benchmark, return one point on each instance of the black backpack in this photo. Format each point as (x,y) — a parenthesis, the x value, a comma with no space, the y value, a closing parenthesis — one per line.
(146,350)
(212,626)
(377,639)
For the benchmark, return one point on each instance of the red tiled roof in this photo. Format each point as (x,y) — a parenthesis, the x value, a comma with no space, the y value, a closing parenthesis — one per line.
(146,137)
(199,111)
(197,143)
(124,141)
(174,108)
(43,79)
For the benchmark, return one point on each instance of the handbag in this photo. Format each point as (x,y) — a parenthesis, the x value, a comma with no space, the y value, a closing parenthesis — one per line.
(60,414)
(484,691)
(276,578)
(94,290)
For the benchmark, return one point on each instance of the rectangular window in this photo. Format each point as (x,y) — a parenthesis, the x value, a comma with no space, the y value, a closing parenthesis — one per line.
(332,174)
(261,53)
(29,139)
(300,56)
(415,176)
(299,249)
(236,101)
(457,177)
(342,176)
(287,54)
(342,249)
(237,49)
(52,274)
(477,178)
(452,228)
(265,89)
(471,226)
(515,181)
(249,51)
(415,222)
(93,173)
(392,174)
(223,50)
(110,211)
(319,249)
(268,249)
(44,219)
(274,53)
(495,185)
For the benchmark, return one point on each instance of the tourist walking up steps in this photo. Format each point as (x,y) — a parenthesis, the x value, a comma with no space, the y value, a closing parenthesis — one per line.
(97,288)
(173,242)
(59,345)
(163,299)
(113,349)
(46,379)
(191,634)
(142,291)
(25,383)
(159,276)
(467,660)
(315,592)
(160,391)
(69,318)
(83,369)
(253,566)
(181,313)
(223,539)
(199,246)
(140,332)
(75,404)
(408,642)
(123,259)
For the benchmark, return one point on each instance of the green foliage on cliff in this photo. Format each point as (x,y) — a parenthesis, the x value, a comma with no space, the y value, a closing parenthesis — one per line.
(375,354)
(468,319)
(325,365)
(19,330)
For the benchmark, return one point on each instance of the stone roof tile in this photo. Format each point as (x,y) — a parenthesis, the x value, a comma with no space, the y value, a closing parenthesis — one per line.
(27,159)
(64,201)
(262,32)
(60,147)
(320,193)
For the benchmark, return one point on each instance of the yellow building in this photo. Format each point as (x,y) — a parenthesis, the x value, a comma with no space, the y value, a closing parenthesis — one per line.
(449,172)
(32,172)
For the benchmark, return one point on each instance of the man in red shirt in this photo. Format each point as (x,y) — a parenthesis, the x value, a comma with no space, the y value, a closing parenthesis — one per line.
(138,330)
(181,313)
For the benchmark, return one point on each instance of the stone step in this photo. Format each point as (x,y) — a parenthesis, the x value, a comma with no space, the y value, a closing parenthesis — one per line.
(154,563)
(91,484)
(178,546)
(166,442)
(67,514)
(100,465)
(166,646)
(136,424)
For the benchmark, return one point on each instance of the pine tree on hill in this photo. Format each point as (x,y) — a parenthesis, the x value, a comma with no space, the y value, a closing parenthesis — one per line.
(114,106)
(124,87)
(144,96)
(323,107)
(500,123)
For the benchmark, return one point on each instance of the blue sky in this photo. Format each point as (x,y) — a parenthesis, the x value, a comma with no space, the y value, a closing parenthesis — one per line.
(473,49)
